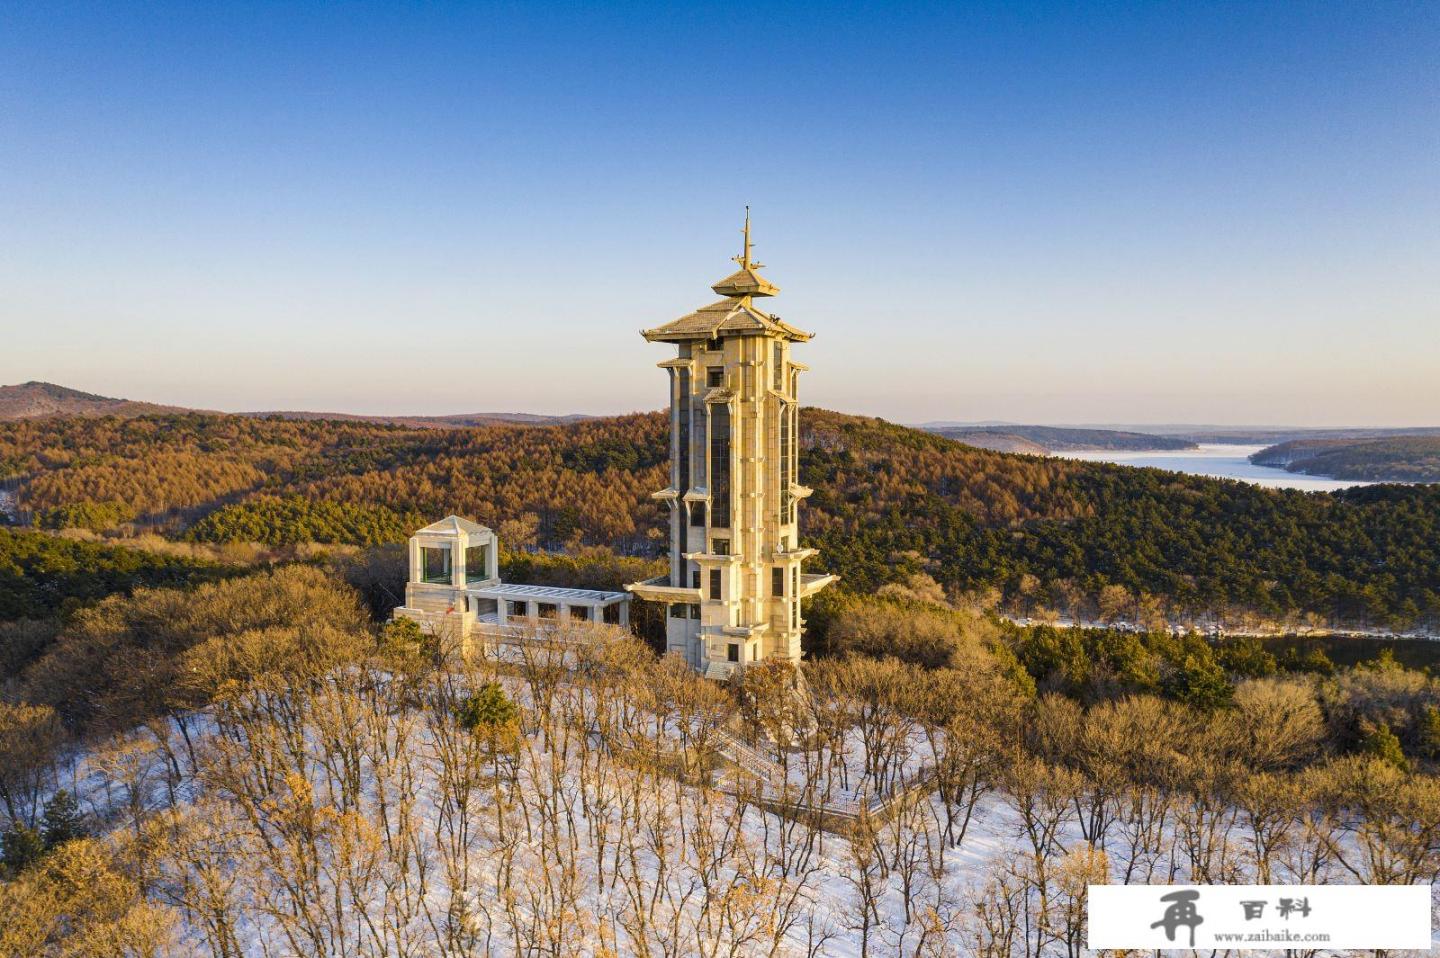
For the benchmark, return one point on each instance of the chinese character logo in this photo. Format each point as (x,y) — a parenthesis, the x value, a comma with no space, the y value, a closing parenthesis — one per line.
(1289,906)
(1253,909)
(1180,911)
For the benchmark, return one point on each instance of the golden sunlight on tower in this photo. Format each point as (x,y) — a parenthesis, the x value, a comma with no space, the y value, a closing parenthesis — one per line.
(735,582)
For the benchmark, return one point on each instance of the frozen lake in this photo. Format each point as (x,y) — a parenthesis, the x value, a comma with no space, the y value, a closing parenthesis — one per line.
(1222,461)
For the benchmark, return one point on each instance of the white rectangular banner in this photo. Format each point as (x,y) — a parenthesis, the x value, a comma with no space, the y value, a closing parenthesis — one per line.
(1231,917)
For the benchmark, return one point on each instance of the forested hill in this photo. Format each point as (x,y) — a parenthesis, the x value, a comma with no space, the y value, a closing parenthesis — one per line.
(1392,459)
(37,400)
(890,504)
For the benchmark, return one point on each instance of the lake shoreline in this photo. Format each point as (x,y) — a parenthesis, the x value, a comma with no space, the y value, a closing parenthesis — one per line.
(1216,461)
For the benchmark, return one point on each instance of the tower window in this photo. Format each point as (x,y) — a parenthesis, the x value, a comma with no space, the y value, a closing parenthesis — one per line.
(795,603)
(787,500)
(698,446)
(694,578)
(791,474)
(682,456)
(714,583)
(722,547)
(677,611)
(720,465)
(682,428)
(697,513)
(715,376)
(779,367)
(732,653)
(694,612)
(777,581)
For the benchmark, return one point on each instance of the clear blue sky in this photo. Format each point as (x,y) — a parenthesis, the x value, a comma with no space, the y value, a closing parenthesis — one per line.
(1220,212)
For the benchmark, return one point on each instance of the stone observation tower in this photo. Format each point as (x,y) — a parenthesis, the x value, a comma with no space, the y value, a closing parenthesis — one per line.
(735,583)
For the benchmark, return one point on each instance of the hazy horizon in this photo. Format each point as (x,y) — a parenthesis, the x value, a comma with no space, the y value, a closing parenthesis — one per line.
(1157,427)
(1110,213)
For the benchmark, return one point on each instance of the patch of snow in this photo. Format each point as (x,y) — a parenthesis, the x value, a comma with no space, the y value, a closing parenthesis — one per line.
(585,851)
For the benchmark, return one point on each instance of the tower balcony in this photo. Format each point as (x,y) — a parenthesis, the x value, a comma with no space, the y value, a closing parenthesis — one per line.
(796,554)
(711,558)
(745,631)
(659,589)
(813,583)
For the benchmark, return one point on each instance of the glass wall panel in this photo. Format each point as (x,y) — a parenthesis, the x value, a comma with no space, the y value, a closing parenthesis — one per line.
(435,563)
(475,563)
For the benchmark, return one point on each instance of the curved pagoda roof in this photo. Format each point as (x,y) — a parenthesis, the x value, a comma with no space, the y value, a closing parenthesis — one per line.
(736,314)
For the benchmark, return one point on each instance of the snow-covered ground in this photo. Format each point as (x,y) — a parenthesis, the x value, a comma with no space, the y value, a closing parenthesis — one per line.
(356,817)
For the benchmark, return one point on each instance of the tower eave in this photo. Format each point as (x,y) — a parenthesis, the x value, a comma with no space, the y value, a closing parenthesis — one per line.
(716,322)
(745,282)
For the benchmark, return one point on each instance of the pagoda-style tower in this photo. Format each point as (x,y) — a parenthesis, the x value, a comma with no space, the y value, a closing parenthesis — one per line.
(735,584)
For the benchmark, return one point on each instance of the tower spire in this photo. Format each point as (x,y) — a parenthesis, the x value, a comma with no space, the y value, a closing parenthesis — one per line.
(744,259)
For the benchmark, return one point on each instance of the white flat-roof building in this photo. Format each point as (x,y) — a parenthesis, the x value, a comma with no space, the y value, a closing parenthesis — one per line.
(454,588)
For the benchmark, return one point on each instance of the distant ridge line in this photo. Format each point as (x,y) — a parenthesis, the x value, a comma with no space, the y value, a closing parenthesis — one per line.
(455,421)
(42,400)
